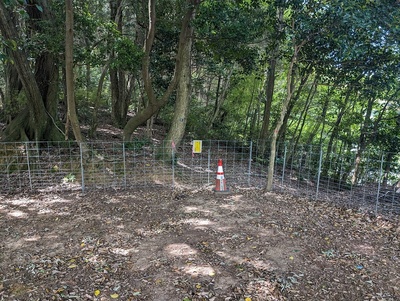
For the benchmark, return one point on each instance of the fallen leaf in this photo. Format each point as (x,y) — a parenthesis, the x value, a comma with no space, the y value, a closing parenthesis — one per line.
(158,281)
(97,292)
(114,296)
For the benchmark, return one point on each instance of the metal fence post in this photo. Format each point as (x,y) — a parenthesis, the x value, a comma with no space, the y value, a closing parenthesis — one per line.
(82,171)
(309,167)
(250,159)
(29,165)
(379,186)
(319,172)
(173,164)
(365,178)
(209,164)
(124,162)
(284,165)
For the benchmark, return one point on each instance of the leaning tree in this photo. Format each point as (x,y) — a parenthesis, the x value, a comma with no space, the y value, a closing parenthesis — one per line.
(37,67)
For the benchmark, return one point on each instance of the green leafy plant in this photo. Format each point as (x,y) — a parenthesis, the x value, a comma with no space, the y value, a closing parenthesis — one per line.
(137,144)
(69,178)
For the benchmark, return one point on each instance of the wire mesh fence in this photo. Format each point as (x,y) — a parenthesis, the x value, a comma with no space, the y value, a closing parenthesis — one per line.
(366,180)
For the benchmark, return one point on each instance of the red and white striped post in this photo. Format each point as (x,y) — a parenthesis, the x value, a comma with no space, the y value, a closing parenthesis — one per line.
(220,181)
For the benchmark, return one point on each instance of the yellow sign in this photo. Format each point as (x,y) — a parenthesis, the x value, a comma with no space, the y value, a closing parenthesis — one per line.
(197,145)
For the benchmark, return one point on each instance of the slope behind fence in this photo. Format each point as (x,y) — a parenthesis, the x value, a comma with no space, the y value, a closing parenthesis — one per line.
(306,171)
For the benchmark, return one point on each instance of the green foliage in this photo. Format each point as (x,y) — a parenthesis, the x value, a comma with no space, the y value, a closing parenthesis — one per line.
(4,45)
(128,55)
(196,122)
(137,144)
(384,135)
(69,178)
(243,105)
(97,37)
(352,47)
(236,25)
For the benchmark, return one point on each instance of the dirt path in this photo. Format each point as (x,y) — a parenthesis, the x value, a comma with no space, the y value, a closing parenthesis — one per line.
(170,245)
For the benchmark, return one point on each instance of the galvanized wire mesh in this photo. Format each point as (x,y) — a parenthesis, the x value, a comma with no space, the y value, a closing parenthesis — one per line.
(302,170)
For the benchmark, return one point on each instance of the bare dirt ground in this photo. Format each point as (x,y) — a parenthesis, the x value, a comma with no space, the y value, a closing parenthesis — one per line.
(160,244)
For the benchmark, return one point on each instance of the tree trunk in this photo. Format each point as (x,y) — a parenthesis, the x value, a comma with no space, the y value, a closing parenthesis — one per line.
(177,129)
(250,119)
(13,87)
(269,90)
(269,94)
(318,122)
(94,123)
(303,117)
(303,81)
(35,124)
(289,95)
(119,82)
(388,163)
(216,104)
(362,143)
(120,97)
(47,77)
(69,72)
(334,135)
(220,97)
(155,104)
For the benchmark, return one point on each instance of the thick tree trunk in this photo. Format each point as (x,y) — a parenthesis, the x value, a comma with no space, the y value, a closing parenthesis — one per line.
(13,87)
(121,91)
(35,125)
(69,72)
(120,97)
(47,77)
(177,129)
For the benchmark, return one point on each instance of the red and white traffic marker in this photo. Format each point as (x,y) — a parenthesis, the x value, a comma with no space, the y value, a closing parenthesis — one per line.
(220,182)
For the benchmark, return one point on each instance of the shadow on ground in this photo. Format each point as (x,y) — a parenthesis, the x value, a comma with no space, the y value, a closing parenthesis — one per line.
(192,245)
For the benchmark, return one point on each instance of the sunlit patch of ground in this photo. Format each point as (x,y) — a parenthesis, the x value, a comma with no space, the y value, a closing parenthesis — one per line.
(152,245)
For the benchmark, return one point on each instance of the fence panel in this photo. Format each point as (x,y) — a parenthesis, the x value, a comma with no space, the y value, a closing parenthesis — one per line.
(370,182)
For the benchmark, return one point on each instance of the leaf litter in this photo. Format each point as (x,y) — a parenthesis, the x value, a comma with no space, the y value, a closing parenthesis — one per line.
(183,245)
